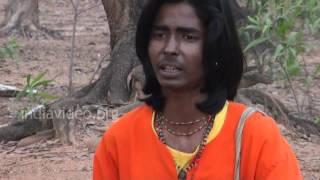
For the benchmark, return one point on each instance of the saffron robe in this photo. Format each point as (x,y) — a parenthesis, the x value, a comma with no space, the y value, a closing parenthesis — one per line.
(130,150)
(182,159)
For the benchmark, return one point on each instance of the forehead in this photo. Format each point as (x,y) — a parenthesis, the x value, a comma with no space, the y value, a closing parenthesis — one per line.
(178,14)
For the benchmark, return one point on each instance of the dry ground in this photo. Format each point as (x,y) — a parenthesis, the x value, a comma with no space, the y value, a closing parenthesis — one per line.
(50,159)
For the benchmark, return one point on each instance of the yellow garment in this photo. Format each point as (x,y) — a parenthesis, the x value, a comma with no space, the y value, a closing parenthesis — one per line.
(181,158)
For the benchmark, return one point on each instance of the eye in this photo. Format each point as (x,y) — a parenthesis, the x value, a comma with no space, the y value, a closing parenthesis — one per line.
(158,35)
(189,37)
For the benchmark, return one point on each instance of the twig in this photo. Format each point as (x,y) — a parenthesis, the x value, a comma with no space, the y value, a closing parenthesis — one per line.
(75,6)
(257,60)
(264,54)
(291,87)
(310,100)
(98,68)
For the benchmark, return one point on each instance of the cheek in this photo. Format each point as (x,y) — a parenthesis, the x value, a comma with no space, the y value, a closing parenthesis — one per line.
(195,54)
(155,46)
(152,50)
(152,54)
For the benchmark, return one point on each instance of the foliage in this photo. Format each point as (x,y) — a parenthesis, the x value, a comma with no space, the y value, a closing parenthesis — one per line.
(274,32)
(317,121)
(309,80)
(10,50)
(313,14)
(276,35)
(32,89)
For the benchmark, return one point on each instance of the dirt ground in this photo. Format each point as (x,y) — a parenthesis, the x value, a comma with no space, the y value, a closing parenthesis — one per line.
(52,160)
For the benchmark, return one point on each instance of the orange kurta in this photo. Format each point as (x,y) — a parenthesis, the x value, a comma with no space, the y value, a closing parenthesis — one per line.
(130,150)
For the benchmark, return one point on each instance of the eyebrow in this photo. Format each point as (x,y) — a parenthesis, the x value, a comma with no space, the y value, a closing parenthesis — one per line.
(179,29)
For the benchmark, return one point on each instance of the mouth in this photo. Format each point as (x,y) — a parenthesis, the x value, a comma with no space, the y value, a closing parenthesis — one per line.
(169,68)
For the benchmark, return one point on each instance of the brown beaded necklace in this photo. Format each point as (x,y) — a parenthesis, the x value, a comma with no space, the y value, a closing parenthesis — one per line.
(163,119)
(183,123)
(159,124)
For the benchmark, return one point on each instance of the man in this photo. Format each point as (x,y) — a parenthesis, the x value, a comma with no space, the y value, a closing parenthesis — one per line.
(193,63)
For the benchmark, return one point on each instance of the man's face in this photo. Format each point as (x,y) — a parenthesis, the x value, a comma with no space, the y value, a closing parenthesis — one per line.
(175,47)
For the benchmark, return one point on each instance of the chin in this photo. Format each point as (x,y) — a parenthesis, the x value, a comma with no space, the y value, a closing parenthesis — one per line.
(170,85)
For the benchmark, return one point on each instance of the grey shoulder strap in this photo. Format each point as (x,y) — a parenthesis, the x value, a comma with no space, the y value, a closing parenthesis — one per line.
(239,131)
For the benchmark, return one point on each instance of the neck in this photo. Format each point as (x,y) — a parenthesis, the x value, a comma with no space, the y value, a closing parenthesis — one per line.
(181,106)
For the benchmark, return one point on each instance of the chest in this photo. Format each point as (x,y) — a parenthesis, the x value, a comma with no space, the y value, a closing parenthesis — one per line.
(217,162)
(186,144)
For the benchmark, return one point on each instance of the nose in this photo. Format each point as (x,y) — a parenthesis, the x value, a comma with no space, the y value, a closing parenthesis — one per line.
(171,47)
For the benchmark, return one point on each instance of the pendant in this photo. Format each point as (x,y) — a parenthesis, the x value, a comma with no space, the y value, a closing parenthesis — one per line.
(182,175)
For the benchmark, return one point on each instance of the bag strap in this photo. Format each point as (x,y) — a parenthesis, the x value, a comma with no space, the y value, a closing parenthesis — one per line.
(243,118)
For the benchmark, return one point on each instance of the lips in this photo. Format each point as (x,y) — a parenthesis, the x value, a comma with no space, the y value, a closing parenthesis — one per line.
(169,70)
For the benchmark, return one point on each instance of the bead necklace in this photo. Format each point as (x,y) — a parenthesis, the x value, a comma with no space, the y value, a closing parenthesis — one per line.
(171,131)
(195,161)
(183,123)
(163,119)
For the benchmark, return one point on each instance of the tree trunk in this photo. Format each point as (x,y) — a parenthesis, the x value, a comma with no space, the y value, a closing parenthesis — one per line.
(22,18)
(110,87)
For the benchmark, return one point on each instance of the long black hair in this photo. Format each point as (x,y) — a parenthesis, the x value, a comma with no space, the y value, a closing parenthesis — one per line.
(222,54)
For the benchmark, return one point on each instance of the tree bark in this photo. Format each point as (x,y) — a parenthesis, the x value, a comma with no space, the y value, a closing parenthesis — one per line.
(22,18)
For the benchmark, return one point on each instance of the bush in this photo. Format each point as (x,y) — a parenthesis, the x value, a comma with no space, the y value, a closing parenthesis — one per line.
(10,50)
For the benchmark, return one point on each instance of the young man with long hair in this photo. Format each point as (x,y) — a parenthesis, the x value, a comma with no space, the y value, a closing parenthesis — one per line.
(188,127)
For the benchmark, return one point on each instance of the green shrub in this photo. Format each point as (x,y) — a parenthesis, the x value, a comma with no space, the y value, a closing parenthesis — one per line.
(10,50)
(276,32)
(33,87)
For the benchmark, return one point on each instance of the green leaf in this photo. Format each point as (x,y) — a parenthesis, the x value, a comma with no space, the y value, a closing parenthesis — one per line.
(314,26)
(252,27)
(281,28)
(9,50)
(311,4)
(28,80)
(255,43)
(292,39)
(317,121)
(253,20)
(47,96)
(21,94)
(41,83)
(37,79)
(2,54)
(267,26)
(292,52)
(317,71)
(308,81)
(278,52)
(317,22)
(292,67)
(31,90)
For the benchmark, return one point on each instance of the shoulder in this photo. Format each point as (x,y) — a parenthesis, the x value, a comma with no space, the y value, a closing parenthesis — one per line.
(124,125)
(258,123)
(262,127)
(116,138)
(266,145)
(264,150)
